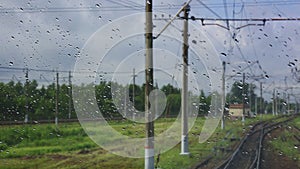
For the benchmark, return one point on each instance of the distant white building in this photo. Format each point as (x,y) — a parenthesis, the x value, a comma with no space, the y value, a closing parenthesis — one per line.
(236,110)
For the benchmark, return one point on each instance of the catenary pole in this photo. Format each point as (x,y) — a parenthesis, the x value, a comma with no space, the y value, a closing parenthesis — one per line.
(70,94)
(149,144)
(26,96)
(56,100)
(223,97)
(261,99)
(243,98)
(184,91)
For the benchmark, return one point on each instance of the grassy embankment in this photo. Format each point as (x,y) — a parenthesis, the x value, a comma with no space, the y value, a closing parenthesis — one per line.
(44,146)
(287,142)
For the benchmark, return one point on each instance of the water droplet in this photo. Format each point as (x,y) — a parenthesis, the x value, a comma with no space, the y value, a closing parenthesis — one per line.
(224,54)
(267,76)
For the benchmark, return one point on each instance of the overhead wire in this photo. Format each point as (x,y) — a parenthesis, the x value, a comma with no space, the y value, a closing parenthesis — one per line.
(212,11)
(252,44)
(120,2)
(59,71)
(226,13)
(231,47)
(233,39)
(126,7)
(14,69)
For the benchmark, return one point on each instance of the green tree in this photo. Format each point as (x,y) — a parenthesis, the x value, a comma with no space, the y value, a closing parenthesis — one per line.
(169,89)
(235,96)
(173,105)
(204,104)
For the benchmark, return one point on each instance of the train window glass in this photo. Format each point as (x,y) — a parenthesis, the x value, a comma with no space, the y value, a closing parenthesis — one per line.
(110,84)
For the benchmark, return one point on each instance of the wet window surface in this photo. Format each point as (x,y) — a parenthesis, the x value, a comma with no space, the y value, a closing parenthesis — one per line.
(149,84)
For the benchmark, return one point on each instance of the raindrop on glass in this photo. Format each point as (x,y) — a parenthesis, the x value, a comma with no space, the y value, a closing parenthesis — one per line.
(267,76)
(224,54)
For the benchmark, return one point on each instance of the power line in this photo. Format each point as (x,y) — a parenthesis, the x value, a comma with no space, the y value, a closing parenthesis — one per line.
(247,19)
(212,11)
(122,3)
(251,39)
(226,12)
(129,7)
(60,71)
(172,19)
(14,69)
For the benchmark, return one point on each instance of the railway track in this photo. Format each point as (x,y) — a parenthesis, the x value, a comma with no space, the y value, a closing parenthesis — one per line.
(65,120)
(37,122)
(248,153)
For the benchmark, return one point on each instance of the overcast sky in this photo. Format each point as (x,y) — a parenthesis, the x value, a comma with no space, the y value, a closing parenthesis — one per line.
(48,35)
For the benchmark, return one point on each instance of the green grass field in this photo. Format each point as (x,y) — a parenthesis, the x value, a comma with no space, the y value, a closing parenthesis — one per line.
(286,143)
(45,146)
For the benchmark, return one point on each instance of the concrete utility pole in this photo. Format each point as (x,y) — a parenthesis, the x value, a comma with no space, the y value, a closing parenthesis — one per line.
(184,92)
(250,98)
(223,97)
(133,87)
(288,104)
(126,101)
(70,94)
(283,109)
(56,100)
(156,101)
(149,145)
(256,105)
(296,107)
(244,111)
(261,100)
(26,96)
(276,102)
(273,107)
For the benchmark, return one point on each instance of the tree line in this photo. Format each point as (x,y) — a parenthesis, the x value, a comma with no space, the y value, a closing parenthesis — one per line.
(39,102)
